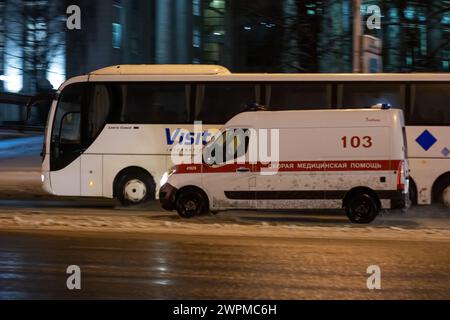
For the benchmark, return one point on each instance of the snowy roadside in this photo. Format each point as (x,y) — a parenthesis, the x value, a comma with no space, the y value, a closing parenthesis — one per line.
(19,147)
(20,185)
(20,175)
(20,178)
(146,225)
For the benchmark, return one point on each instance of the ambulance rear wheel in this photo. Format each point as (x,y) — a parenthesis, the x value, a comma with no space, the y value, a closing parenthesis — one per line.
(362,209)
(191,203)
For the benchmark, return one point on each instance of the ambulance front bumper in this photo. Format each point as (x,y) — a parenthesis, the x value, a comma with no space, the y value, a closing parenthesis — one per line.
(167,196)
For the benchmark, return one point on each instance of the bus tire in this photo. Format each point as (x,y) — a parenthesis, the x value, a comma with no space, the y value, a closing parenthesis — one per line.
(135,188)
(361,208)
(191,202)
(441,190)
(446,196)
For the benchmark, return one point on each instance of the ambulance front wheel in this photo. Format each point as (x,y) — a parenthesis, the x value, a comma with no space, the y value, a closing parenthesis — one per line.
(362,209)
(191,202)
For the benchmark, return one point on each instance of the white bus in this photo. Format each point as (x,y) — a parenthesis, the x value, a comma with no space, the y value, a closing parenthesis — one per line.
(110,132)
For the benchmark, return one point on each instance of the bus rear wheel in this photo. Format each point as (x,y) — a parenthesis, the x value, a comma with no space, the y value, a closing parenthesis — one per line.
(135,188)
(441,190)
(362,209)
(191,203)
(446,196)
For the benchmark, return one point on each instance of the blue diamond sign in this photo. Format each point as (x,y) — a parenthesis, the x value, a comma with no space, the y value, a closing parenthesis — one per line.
(445,152)
(426,140)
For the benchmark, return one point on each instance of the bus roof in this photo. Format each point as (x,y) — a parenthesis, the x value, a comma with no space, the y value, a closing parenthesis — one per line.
(162,69)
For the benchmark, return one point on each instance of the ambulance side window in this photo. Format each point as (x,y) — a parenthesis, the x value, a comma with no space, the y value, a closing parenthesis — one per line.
(233,143)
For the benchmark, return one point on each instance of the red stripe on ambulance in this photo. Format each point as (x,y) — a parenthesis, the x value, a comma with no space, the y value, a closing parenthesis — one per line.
(297,166)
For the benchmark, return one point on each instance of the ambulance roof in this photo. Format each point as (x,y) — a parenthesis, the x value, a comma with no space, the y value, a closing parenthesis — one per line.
(315,118)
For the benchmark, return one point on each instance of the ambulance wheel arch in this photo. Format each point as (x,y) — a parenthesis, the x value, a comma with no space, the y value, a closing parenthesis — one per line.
(441,190)
(362,205)
(191,201)
(134,186)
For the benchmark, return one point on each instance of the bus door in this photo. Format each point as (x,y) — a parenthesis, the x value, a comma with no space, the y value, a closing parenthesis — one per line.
(95,115)
(66,148)
(76,165)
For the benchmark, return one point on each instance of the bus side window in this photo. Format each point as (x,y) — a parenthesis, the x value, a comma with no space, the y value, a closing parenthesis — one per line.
(151,103)
(298,96)
(430,104)
(99,110)
(218,103)
(365,95)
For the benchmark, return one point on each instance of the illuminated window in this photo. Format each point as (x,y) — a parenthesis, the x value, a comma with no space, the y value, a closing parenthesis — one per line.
(196,7)
(409,60)
(116,35)
(196,38)
(213,30)
(117,25)
(393,13)
(409,13)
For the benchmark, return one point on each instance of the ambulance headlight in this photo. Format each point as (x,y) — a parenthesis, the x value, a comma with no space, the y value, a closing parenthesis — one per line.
(42,178)
(167,175)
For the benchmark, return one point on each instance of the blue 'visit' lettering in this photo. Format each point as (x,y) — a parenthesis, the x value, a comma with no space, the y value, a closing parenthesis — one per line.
(189,138)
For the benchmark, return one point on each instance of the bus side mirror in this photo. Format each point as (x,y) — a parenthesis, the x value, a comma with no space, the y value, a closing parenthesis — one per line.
(42,100)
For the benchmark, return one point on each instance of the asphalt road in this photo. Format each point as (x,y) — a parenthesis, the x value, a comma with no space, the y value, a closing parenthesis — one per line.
(127,266)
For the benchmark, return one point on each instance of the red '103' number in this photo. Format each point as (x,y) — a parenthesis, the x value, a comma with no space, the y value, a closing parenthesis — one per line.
(357,142)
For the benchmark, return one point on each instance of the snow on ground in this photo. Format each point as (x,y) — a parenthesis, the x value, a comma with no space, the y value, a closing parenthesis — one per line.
(20,165)
(20,177)
(142,224)
(19,147)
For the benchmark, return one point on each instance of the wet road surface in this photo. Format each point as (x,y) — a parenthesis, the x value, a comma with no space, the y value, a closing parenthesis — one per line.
(33,266)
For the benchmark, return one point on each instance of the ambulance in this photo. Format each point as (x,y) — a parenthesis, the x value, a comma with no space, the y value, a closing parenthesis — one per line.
(353,160)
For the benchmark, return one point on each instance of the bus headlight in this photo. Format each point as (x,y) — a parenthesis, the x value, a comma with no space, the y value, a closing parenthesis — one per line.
(167,175)
(42,178)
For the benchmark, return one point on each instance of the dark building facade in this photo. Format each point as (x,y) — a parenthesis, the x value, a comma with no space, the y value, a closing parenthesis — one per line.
(112,32)
(2,44)
(245,36)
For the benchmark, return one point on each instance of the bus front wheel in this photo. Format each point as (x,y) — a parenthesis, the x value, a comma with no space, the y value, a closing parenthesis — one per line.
(135,188)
